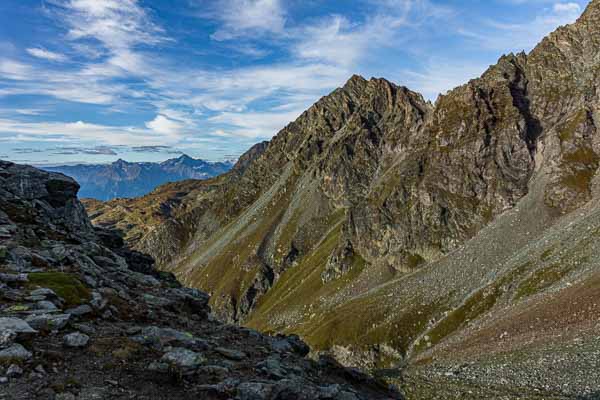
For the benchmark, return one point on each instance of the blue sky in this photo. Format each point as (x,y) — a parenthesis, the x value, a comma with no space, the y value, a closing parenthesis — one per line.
(96,80)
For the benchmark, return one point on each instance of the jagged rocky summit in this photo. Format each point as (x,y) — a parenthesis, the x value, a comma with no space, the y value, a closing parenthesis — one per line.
(454,241)
(83,317)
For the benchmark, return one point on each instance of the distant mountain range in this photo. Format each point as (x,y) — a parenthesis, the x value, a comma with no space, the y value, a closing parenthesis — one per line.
(132,179)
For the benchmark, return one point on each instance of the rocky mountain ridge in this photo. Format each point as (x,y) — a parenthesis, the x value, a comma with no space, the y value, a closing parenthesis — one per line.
(83,317)
(132,179)
(388,230)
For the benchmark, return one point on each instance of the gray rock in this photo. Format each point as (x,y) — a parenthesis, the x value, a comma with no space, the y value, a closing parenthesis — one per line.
(16,352)
(215,370)
(14,371)
(161,337)
(80,310)
(15,324)
(146,280)
(156,301)
(231,354)
(94,393)
(46,305)
(85,328)
(345,395)
(254,391)
(329,391)
(3,380)
(76,339)
(7,337)
(40,369)
(65,396)
(183,358)
(291,343)
(49,322)
(12,278)
(158,367)
(272,368)
(98,302)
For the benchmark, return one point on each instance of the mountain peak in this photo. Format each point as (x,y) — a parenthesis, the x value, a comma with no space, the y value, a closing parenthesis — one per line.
(355,81)
(184,157)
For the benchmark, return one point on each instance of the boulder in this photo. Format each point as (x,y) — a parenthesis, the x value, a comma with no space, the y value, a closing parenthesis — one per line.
(48,322)
(7,337)
(182,358)
(76,339)
(15,353)
(14,371)
(231,354)
(80,310)
(161,337)
(254,391)
(46,305)
(15,324)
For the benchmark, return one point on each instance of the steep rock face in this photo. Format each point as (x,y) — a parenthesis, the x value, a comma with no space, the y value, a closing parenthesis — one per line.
(56,213)
(377,218)
(82,316)
(470,161)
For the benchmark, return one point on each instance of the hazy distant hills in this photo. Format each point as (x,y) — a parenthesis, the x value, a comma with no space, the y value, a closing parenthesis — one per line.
(132,179)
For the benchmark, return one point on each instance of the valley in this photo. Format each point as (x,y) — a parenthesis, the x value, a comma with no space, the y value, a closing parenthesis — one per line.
(450,247)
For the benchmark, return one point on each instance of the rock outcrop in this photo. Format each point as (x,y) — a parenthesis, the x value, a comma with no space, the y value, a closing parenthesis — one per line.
(82,316)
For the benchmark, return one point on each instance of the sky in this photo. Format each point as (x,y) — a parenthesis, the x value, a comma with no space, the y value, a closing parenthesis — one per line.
(146,80)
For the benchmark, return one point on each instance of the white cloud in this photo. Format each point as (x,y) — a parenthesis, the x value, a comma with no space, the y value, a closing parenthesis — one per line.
(568,8)
(117,24)
(15,70)
(254,124)
(338,40)
(46,54)
(523,36)
(165,126)
(241,16)
(79,132)
(334,40)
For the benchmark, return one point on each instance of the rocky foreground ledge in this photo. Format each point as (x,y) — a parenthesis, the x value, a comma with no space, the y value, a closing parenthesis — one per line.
(83,317)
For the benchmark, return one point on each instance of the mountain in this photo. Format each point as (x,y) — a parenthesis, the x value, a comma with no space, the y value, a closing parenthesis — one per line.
(83,317)
(450,247)
(131,179)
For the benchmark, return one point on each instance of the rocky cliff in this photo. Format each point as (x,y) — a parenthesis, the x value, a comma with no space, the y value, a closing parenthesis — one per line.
(84,317)
(394,232)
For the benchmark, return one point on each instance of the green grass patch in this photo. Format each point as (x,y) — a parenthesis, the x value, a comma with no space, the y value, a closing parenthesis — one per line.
(65,285)
(567,131)
(541,279)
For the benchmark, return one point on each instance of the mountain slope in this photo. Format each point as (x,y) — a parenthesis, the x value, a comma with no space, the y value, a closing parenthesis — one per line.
(130,179)
(82,316)
(409,232)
